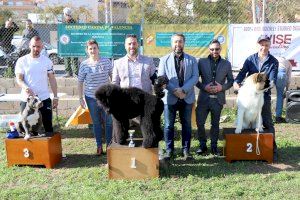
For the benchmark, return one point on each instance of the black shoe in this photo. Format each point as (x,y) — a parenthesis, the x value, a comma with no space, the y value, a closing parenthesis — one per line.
(186,156)
(280,120)
(215,151)
(169,155)
(202,151)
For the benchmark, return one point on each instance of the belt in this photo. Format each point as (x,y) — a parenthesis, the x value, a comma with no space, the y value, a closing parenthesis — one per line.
(213,96)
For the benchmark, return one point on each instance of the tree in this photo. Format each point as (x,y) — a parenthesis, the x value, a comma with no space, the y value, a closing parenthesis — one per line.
(5,15)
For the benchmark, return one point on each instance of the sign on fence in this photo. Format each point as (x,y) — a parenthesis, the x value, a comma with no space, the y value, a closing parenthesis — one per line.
(157,38)
(111,37)
(285,41)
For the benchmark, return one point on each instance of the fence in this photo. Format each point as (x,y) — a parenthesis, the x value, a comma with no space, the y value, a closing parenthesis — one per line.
(149,12)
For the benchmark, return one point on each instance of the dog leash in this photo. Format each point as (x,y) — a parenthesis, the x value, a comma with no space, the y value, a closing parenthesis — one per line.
(257,143)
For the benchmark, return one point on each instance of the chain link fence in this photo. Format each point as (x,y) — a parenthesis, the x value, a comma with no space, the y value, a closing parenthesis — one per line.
(141,12)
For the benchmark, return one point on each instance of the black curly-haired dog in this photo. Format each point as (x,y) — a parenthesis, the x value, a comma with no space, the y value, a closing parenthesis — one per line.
(127,103)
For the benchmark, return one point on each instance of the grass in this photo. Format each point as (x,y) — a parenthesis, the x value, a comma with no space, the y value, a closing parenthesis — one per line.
(82,175)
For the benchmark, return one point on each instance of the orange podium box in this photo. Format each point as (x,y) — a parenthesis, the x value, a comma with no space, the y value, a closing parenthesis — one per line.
(244,147)
(132,162)
(45,151)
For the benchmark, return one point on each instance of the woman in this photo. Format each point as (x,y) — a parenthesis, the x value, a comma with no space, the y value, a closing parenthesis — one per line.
(94,72)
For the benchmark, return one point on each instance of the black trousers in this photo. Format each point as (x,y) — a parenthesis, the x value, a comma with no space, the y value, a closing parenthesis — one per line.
(46,112)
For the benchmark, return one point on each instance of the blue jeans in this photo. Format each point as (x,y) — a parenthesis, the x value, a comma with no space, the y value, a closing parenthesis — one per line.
(280,85)
(98,116)
(185,115)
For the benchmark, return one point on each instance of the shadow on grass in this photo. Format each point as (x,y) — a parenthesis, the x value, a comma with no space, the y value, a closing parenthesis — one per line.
(210,166)
(81,161)
(77,133)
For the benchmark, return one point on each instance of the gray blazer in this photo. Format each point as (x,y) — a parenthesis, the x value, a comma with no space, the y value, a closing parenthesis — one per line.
(223,76)
(167,67)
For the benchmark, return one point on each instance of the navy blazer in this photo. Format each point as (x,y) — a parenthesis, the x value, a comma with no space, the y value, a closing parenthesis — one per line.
(223,76)
(251,66)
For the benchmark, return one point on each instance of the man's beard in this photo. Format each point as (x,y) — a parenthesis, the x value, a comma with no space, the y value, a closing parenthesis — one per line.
(178,51)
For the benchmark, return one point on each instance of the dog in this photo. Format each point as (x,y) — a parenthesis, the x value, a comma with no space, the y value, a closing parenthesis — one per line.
(127,103)
(250,100)
(31,118)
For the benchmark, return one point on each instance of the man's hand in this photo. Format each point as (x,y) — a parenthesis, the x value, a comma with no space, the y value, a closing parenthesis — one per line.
(178,92)
(236,86)
(82,102)
(55,102)
(29,91)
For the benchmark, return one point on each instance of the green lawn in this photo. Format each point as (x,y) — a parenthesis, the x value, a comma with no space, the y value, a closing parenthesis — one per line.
(82,175)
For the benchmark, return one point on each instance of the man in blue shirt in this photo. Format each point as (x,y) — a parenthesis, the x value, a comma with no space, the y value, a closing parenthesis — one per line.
(262,61)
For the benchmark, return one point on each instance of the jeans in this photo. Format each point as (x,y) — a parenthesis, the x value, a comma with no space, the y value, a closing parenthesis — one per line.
(98,116)
(46,112)
(185,115)
(280,85)
(202,112)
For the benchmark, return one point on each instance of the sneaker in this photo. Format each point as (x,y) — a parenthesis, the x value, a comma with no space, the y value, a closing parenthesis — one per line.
(202,151)
(215,151)
(169,155)
(186,156)
(280,120)
(99,151)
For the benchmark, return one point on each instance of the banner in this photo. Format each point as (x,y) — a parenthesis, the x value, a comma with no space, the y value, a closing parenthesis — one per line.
(110,37)
(157,38)
(285,41)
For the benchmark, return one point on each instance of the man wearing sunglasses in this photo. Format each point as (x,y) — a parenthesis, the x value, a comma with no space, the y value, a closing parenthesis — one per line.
(216,78)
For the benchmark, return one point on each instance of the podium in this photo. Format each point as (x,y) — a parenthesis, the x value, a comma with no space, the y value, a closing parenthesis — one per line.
(45,151)
(244,146)
(132,162)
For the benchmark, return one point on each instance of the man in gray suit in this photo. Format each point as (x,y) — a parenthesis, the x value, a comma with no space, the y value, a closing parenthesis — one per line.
(216,78)
(182,72)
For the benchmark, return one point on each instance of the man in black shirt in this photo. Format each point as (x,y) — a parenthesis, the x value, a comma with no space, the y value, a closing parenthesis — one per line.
(6,35)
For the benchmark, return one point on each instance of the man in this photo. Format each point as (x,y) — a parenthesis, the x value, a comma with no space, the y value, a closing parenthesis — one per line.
(182,72)
(32,73)
(134,70)
(262,61)
(71,63)
(29,32)
(6,35)
(216,78)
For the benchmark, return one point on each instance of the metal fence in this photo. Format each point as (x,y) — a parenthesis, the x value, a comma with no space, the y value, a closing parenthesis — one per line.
(146,12)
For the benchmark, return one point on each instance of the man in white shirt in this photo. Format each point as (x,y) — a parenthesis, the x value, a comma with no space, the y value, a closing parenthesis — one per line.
(32,73)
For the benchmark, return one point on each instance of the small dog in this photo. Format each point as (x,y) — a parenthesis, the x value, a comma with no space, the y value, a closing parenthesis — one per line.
(31,118)
(127,103)
(250,101)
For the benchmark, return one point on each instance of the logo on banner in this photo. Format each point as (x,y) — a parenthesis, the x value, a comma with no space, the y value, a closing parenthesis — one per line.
(64,39)
(221,39)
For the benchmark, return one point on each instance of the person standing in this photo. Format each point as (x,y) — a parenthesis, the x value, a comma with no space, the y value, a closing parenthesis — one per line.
(6,35)
(216,78)
(134,70)
(71,63)
(262,61)
(282,85)
(93,73)
(29,32)
(182,72)
(32,74)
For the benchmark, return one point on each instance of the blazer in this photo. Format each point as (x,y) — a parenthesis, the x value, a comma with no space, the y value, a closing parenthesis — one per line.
(120,74)
(167,68)
(223,76)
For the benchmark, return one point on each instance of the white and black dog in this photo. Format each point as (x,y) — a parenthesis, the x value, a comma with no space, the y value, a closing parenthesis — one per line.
(31,118)
(250,101)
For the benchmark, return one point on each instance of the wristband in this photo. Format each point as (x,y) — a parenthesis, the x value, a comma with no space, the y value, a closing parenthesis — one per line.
(55,98)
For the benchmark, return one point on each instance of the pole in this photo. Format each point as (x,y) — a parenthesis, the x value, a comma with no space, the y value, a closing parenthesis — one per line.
(263,12)
(111,10)
(254,12)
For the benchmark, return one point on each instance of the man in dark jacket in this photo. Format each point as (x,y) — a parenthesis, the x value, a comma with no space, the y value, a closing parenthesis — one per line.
(216,78)
(6,35)
(262,61)
(29,32)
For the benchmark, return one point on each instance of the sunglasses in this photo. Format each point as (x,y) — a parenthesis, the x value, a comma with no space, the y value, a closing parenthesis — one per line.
(216,49)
